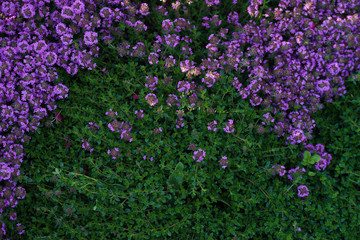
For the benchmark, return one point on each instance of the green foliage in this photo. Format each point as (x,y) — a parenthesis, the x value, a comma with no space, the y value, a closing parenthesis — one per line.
(310,160)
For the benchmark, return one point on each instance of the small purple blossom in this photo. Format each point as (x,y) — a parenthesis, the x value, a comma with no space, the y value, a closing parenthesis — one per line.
(90,38)
(303,191)
(212,2)
(93,126)
(67,13)
(229,128)
(151,159)
(151,99)
(28,11)
(114,153)
(139,114)
(278,169)
(224,162)
(86,145)
(292,173)
(212,126)
(78,7)
(199,155)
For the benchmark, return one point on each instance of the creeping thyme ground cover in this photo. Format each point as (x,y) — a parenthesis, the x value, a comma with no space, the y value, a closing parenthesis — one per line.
(186,119)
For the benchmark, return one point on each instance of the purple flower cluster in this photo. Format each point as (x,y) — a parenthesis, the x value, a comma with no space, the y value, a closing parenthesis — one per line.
(151,99)
(303,191)
(86,145)
(116,126)
(199,155)
(279,169)
(325,157)
(212,2)
(114,153)
(212,126)
(93,126)
(139,114)
(313,52)
(253,8)
(151,82)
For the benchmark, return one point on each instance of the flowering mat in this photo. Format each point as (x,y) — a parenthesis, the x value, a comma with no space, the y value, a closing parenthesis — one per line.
(215,119)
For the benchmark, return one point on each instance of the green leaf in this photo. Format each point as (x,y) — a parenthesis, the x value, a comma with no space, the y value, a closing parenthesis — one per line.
(176,180)
(307,155)
(312,174)
(315,159)
(179,167)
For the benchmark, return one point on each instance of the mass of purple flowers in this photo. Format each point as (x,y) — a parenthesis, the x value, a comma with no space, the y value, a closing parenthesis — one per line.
(296,58)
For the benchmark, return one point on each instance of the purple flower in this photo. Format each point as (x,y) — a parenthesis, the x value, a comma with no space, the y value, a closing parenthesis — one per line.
(8,8)
(179,123)
(61,29)
(12,216)
(86,145)
(212,126)
(114,126)
(106,12)
(322,86)
(90,38)
(297,136)
(224,162)
(185,65)
(212,2)
(111,113)
(229,128)
(327,157)
(20,193)
(151,159)
(140,26)
(125,126)
(50,58)
(151,82)
(321,164)
(67,13)
(169,62)
(139,114)
(151,99)
(153,58)
(167,25)
(292,172)
(172,99)
(40,46)
(199,155)
(126,135)
(93,126)
(279,169)
(319,148)
(144,9)
(303,191)
(333,68)
(183,86)
(210,78)
(67,39)
(20,228)
(78,7)
(114,153)
(28,11)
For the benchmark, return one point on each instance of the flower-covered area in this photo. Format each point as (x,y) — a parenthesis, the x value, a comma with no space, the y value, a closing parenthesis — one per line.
(173,115)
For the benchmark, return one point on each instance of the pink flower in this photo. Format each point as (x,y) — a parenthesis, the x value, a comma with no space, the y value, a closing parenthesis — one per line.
(58,117)
(135,96)
(68,144)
